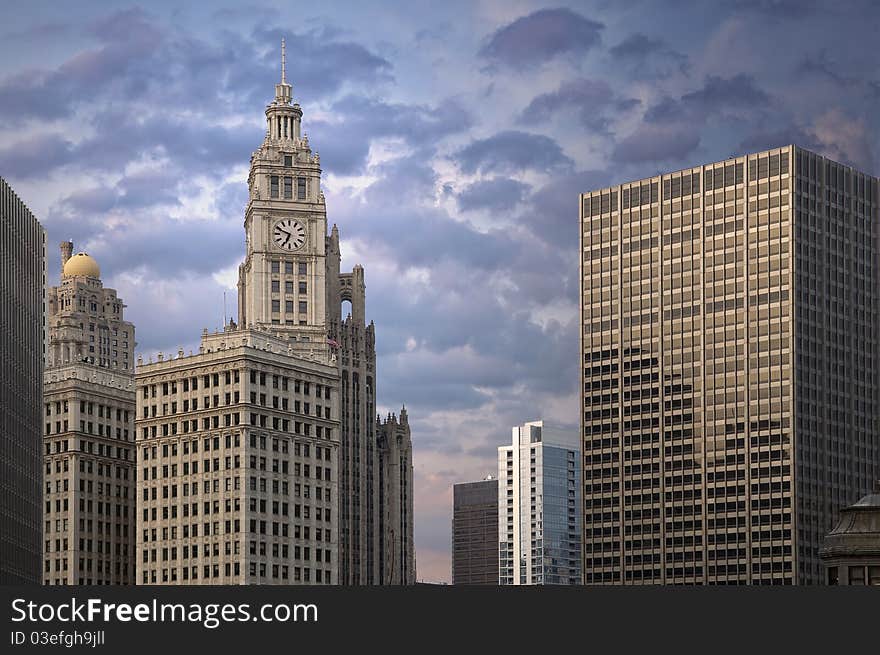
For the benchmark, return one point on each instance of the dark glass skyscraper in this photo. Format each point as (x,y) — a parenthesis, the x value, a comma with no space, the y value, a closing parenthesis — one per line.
(22,339)
(475,532)
(731,368)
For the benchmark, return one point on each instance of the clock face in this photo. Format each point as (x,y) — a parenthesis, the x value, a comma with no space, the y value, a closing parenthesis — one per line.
(289,234)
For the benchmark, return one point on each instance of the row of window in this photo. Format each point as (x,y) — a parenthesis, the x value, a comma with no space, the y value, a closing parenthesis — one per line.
(277,183)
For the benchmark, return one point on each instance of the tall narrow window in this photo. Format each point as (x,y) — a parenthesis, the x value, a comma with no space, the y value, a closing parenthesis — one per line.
(301,188)
(288,188)
(273,186)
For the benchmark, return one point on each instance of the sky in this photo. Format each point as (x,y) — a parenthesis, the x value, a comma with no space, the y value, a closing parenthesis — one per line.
(454,138)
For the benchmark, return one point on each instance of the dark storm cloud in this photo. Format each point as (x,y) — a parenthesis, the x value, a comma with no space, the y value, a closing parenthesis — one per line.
(765,139)
(541,36)
(672,129)
(139,59)
(781,9)
(127,38)
(498,194)
(553,212)
(653,142)
(647,56)
(121,137)
(590,99)
(323,62)
(32,156)
(719,94)
(512,151)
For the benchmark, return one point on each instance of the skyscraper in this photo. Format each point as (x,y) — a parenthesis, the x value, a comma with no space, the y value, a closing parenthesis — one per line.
(292,377)
(475,532)
(290,282)
(237,455)
(89,451)
(394,478)
(730,353)
(539,506)
(22,355)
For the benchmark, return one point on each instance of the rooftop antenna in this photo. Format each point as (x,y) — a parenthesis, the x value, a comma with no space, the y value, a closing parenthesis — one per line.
(283,62)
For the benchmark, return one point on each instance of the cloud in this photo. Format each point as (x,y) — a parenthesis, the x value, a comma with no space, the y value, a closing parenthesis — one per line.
(552,215)
(512,151)
(595,104)
(35,155)
(344,140)
(541,36)
(649,57)
(497,194)
(128,38)
(140,59)
(653,142)
(672,129)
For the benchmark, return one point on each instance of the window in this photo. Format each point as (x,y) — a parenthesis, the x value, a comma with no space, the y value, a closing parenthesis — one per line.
(300,188)
(288,160)
(303,307)
(276,286)
(302,287)
(276,267)
(288,287)
(288,306)
(288,268)
(288,188)
(276,305)
(857,575)
(273,186)
(302,268)
(832,576)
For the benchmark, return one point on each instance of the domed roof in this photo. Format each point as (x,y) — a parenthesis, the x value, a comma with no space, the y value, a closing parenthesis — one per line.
(857,531)
(81,264)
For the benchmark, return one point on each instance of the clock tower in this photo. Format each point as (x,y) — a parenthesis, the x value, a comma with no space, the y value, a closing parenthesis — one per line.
(281,283)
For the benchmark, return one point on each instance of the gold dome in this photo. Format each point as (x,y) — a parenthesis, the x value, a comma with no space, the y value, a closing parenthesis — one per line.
(81,265)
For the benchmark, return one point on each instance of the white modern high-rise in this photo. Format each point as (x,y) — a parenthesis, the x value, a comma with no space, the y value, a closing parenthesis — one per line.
(539,506)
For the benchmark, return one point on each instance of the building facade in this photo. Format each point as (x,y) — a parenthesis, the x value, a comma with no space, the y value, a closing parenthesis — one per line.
(730,319)
(475,532)
(88,436)
(22,355)
(237,458)
(397,555)
(290,283)
(306,486)
(539,507)
(851,551)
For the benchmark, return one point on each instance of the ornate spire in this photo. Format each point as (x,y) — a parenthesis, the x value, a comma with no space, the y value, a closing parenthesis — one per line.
(283,90)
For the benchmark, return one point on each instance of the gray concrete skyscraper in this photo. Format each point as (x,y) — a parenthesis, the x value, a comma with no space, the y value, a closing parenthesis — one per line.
(730,368)
(22,354)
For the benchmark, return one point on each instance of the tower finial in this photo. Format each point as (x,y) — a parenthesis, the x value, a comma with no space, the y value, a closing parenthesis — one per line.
(283,62)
